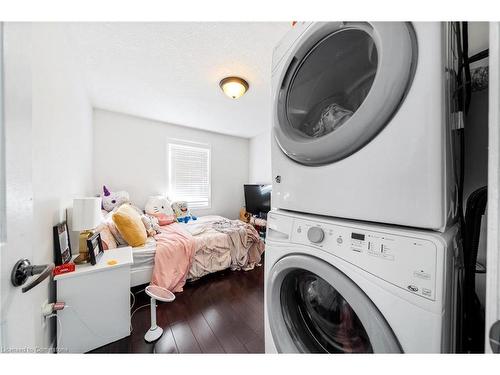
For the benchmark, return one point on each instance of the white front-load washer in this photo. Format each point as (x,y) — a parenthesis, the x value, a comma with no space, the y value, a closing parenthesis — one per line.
(362,121)
(340,286)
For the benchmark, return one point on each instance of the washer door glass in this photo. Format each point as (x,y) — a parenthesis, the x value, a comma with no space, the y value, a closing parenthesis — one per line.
(318,318)
(313,307)
(341,85)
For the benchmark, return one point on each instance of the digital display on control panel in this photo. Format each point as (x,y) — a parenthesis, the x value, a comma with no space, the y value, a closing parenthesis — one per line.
(358,236)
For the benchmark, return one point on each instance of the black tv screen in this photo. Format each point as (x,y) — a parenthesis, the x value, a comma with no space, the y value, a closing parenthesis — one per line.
(258,199)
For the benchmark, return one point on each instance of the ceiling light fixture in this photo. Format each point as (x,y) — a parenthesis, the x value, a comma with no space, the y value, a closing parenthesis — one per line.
(234,87)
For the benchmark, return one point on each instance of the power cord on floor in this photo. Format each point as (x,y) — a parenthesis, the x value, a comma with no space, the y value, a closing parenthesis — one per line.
(132,306)
(133,300)
(132,315)
(133,297)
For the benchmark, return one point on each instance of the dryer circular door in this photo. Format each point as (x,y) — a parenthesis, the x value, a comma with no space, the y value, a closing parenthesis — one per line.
(314,308)
(340,86)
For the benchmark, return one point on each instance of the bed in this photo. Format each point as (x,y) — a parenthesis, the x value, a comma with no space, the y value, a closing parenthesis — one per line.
(207,245)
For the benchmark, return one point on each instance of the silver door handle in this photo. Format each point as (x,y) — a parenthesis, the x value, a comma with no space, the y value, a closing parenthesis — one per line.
(23,270)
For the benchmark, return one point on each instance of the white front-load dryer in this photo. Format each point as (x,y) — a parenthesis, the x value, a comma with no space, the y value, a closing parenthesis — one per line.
(361,122)
(340,286)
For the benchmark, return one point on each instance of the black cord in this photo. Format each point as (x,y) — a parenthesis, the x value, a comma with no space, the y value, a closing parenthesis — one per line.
(459,144)
(460,132)
(465,53)
(459,93)
(476,205)
(479,56)
(475,208)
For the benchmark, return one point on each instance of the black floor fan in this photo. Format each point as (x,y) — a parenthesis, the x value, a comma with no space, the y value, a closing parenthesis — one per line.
(473,316)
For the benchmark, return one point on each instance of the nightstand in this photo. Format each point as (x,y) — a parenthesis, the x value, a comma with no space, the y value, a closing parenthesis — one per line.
(98,303)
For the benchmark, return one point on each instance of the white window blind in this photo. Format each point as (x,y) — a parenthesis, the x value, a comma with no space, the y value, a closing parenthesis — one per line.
(189,174)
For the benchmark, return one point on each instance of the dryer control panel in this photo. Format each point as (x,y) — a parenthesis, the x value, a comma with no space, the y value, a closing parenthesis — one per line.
(407,262)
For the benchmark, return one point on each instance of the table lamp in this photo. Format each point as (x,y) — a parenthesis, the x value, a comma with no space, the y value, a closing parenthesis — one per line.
(86,216)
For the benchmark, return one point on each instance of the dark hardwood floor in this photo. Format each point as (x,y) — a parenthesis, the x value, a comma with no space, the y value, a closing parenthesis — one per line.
(219,313)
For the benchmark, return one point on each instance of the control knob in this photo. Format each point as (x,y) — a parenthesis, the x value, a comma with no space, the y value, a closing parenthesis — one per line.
(315,234)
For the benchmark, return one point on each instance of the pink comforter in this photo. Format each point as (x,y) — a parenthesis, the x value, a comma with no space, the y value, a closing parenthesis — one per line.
(174,255)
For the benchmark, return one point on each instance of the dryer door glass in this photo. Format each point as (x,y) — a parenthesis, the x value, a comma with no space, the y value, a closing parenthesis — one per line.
(318,317)
(332,82)
(340,86)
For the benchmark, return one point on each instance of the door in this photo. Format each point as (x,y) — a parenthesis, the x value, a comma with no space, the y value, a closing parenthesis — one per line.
(493,237)
(341,85)
(315,308)
(20,312)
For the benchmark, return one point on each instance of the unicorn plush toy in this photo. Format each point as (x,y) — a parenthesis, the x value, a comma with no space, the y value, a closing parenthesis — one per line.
(112,199)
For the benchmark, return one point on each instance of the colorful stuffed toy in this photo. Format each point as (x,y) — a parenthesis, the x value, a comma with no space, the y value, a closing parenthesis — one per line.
(182,212)
(151,225)
(113,199)
(159,212)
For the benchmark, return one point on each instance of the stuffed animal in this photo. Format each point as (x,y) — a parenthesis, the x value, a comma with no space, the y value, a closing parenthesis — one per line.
(159,211)
(182,212)
(244,215)
(151,225)
(113,199)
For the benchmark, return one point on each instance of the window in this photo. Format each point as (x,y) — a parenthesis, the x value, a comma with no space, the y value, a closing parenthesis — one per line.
(189,173)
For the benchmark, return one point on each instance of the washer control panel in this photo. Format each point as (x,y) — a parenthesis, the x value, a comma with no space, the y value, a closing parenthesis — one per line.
(407,262)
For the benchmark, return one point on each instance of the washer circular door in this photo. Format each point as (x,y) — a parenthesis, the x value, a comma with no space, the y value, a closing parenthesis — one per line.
(341,85)
(314,308)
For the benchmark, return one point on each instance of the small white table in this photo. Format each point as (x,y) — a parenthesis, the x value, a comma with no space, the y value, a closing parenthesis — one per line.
(98,302)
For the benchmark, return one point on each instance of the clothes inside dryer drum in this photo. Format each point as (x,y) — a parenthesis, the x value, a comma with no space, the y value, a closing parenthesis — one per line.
(330,118)
(332,83)
(318,318)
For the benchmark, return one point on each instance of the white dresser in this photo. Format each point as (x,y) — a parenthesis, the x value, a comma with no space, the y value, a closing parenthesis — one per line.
(98,303)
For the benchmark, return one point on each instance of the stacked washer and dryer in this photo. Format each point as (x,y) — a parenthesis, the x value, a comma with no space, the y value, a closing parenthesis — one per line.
(362,248)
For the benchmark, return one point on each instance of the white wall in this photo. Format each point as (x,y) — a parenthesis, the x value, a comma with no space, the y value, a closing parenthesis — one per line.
(260,159)
(130,154)
(49,151)
(478,37)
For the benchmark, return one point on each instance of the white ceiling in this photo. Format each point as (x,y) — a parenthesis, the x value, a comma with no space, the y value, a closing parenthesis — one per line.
(171,71)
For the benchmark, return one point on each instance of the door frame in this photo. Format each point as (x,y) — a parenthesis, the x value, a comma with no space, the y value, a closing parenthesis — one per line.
(493,237)
(3,219)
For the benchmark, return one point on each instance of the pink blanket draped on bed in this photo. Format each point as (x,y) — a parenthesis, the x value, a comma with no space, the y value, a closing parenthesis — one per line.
(174,255)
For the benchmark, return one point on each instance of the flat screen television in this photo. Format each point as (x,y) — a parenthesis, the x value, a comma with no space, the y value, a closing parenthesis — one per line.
(258,199)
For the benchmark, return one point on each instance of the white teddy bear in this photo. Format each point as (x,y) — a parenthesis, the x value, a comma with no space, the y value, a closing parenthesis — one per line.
(158,213)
